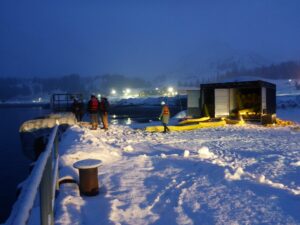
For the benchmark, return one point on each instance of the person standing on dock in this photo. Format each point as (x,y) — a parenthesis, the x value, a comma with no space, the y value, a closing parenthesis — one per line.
(77,109)
(165,116)
(93,106)
(103,109)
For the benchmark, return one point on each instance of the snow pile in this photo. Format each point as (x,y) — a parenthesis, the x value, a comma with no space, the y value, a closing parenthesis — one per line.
(225,175)
(295,163)
(48,122)
(180,115)
(204,153)
(236,175)
(128,148)
(186,154)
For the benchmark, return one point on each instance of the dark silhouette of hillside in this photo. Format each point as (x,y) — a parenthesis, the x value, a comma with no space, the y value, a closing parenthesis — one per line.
(284,70)
(74,83)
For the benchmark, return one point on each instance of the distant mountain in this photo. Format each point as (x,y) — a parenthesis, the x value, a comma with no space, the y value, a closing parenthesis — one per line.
(213,60)
(283,70)
(218,61)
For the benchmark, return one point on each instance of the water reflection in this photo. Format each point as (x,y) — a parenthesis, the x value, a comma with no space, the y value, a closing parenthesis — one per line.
(128,121)
(114,121)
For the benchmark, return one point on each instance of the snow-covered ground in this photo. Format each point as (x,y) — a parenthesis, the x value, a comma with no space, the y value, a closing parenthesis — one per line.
(227,175)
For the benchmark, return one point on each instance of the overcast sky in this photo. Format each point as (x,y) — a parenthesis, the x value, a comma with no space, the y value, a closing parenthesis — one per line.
(138,38)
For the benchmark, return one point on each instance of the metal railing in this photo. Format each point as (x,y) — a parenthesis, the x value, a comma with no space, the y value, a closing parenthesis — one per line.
(63,102)
(38,192)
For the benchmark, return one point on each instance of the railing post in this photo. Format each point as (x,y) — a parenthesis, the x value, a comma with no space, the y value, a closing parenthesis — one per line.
(46,208)
(55,160)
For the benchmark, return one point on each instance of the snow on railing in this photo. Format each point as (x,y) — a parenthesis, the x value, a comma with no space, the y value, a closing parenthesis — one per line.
(43,181)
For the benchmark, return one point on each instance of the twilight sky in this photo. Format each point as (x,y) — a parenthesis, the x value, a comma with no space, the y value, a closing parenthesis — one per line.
(139,38)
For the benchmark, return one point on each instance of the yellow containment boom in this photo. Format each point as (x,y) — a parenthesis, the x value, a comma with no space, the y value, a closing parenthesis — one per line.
(246,112)
(187,127)
(234,122)
(196,120)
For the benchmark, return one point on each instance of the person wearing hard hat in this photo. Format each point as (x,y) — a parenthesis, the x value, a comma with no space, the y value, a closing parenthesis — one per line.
(165,116)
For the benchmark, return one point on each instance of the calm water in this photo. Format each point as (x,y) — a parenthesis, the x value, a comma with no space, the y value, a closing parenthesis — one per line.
(14,166)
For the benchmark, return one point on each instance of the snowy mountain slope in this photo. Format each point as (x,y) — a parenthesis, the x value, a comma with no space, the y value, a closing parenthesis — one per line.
(214,58)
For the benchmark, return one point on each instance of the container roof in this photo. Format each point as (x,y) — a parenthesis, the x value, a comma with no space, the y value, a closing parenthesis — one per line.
(241,84)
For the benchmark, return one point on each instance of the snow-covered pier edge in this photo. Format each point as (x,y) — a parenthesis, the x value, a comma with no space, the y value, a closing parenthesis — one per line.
(225,175)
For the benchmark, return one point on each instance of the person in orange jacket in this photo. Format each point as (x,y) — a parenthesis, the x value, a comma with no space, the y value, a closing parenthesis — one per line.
(165,116)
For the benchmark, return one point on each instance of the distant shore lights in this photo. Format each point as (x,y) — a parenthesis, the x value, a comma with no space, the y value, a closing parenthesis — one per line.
(171,91)
(113,92)
(127,91)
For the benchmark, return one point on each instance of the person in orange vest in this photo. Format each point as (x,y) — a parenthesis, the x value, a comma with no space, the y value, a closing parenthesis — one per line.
(93,107)
(165,116)
(103,109)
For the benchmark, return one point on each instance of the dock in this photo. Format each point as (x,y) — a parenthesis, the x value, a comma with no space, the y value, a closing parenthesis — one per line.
(214,175)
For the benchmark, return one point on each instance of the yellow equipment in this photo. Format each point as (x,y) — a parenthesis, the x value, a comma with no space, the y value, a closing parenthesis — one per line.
(196,120)
(187,127)
(234,122)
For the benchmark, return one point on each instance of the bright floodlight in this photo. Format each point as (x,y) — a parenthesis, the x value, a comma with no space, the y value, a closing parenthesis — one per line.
(170,89)
(99,95)
(156,89)
(128,90)
(113,91)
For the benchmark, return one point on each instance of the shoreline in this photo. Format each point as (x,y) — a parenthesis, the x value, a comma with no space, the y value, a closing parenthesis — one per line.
(25,104)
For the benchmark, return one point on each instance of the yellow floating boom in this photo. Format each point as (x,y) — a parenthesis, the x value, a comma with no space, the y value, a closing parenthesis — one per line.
(187,127)
(234,122)
(196,120)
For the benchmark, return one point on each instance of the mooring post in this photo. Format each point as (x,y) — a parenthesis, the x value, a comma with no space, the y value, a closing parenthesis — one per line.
(88,176)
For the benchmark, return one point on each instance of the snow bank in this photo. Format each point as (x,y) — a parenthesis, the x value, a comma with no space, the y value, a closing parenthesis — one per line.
(236,175)
(204,153)
(48,122)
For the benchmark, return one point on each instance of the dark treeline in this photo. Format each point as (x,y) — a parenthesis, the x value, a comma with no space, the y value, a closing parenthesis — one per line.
(285,70)
(193,82)
(10,86)
(72,83)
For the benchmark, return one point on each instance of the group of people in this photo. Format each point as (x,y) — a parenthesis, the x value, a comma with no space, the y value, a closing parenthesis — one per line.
(96,108)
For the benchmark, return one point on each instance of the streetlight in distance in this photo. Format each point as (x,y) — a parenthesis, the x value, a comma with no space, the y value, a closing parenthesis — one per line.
(113,92)
(170,89)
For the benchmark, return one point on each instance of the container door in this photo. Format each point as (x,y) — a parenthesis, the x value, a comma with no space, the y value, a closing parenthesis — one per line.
(221,102)
(193,109)
(264,100)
